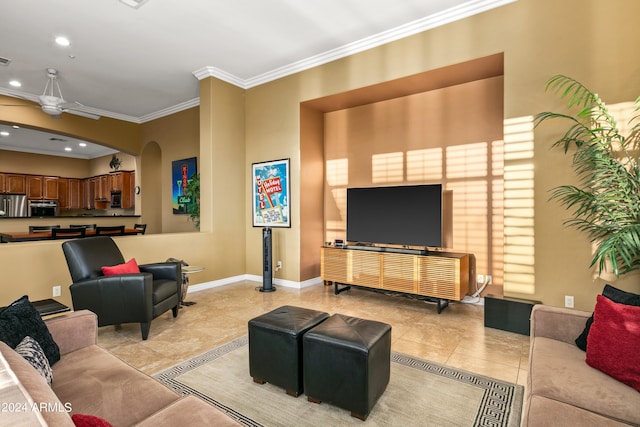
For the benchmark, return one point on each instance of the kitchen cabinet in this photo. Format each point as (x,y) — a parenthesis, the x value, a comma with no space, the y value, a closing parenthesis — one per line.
(123,182)
(12,183)
(42,187)
(70,193)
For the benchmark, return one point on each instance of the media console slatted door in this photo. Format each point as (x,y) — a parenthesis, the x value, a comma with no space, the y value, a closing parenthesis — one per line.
(443,276)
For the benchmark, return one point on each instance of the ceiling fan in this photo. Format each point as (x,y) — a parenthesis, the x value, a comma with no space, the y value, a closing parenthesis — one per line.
(56,105)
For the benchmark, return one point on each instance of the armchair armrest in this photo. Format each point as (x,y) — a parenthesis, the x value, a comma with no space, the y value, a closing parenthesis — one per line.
(74,330)
(562,324)
(164,270)
(122,298)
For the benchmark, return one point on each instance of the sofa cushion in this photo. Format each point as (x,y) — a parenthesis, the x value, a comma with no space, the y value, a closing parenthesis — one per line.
(54,411)
(32,353)
(189,411)
(543,412)
(21,319)
(615,295)
(558,371)
(614,341)
(100,384)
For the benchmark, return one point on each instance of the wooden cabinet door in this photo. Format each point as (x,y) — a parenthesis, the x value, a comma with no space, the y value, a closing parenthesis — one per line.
(104,190)
(34,187)
(14,183)
(50,187)
(63,193)
(126,187)
(75,193)
(115,181)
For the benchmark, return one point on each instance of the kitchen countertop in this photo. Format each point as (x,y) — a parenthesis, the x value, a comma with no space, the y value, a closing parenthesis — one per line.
(70,216)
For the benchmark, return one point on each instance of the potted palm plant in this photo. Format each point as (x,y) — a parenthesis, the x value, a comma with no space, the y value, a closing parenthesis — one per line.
(605,204)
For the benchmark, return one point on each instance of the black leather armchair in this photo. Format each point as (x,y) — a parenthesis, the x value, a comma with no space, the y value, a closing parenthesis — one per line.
(124,298)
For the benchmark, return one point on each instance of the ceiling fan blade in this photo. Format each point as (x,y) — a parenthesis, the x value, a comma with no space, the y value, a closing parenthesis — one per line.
(81,113)
(19,105)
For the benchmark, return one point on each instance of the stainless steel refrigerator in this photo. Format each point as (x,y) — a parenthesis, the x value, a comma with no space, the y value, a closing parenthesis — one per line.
(13,205)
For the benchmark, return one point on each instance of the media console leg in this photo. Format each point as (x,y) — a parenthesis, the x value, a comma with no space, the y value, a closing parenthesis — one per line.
(336,291)
(442,304)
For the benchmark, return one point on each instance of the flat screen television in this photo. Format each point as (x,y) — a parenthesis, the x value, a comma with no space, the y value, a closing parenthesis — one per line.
(408,215)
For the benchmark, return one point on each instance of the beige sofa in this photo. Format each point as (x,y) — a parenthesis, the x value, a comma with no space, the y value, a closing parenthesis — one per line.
(90,380)
(562,390)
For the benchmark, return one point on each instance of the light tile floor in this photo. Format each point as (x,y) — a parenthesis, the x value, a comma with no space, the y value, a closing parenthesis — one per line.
(456,337)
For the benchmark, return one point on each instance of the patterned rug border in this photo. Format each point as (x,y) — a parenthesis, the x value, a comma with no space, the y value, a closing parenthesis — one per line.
(501,401)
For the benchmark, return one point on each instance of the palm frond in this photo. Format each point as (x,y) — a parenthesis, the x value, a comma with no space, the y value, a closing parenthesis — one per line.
(606,203)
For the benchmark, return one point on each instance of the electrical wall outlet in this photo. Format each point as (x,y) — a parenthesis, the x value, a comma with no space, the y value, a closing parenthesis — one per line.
(489,280)
(480,278)
(278,265)
(568,301)
(56,291)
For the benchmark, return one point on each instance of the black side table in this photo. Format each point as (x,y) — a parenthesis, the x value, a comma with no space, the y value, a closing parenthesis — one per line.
(49,306)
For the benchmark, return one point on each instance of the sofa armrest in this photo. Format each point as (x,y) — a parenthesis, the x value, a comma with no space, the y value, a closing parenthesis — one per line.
(562,324)
(74,330)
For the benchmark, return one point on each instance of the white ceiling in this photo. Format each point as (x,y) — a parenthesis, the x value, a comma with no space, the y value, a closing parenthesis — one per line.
(140,64)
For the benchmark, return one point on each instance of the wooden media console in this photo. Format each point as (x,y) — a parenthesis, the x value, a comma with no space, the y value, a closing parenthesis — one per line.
(442,276)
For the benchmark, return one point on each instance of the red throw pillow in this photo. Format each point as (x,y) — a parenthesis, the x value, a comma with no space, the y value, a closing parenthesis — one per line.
(128,267)
(613,344)
(81,420)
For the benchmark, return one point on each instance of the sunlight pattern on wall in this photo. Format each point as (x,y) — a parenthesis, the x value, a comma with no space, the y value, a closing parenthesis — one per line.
(337,176)
(424,165)
(519,239)
(471,173)
(387,167)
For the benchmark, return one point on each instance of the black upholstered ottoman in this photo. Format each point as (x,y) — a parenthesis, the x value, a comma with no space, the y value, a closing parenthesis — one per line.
(275,346)
(347,362)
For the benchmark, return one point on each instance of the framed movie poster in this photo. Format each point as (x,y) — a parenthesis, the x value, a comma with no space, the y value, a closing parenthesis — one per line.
(181,172)
(271,194)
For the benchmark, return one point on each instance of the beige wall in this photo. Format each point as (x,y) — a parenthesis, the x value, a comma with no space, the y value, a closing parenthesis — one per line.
(588,39)
(33,268)
(450,136)
(222,180)
(40,164)
(178,138)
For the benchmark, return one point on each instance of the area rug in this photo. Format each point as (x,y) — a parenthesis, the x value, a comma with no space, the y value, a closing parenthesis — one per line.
(420,393)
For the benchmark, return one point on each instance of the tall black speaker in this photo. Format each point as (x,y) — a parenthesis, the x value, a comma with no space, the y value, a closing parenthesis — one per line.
(267,262)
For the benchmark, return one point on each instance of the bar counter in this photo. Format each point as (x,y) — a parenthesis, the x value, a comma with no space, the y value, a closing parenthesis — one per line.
(22,236)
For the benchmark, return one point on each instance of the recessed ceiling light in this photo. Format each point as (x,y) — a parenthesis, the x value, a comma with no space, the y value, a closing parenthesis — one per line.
(134,3)
(67,148)
(62,41)
(83,144)
(15,127)
(4,133)
(15,83)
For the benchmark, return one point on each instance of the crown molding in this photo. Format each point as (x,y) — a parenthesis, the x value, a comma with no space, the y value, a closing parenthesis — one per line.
(170,110)
(453,14)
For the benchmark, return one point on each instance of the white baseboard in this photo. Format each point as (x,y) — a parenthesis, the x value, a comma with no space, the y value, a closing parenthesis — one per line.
(252,278)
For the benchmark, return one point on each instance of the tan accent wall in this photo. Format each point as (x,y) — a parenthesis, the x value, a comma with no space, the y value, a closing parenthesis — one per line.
(223,201)
(446,136)
(106,131)
(178,137)
(40,164)
(589,40)
(33,268)
(312,191)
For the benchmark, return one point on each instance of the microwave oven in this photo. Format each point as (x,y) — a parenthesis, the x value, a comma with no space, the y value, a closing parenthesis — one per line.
(116,199)
(43,208)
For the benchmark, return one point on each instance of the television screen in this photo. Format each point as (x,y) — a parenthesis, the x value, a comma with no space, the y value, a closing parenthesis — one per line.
(409,215)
